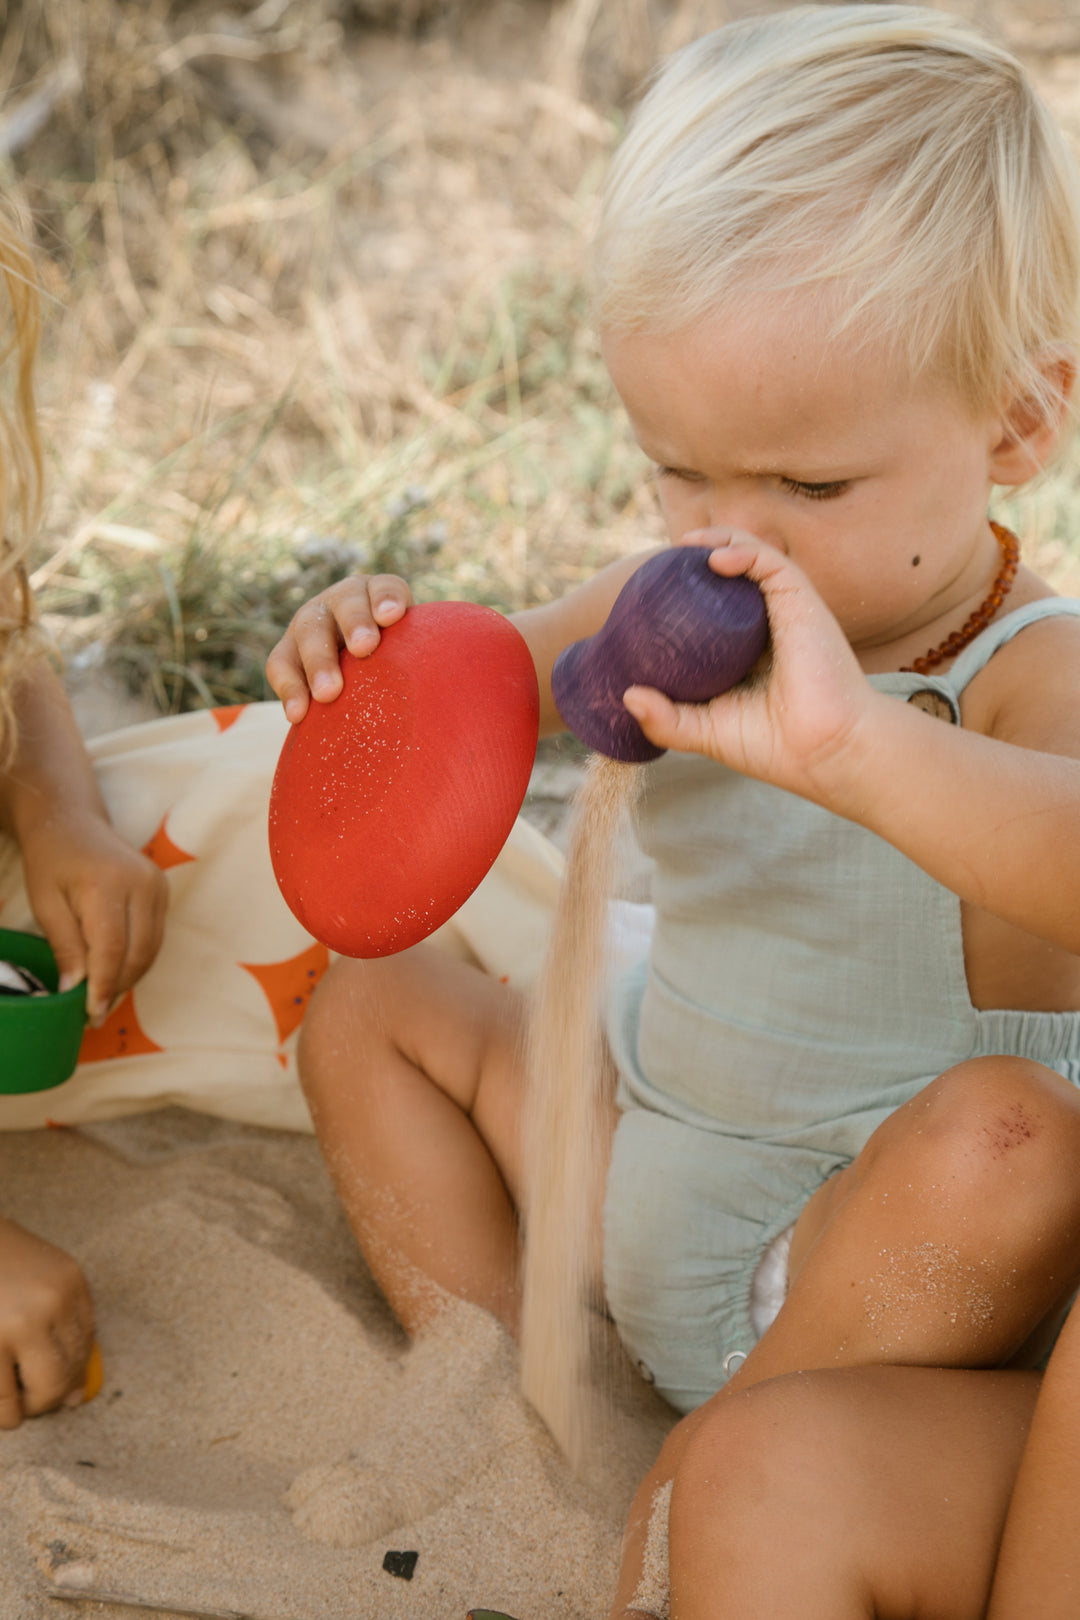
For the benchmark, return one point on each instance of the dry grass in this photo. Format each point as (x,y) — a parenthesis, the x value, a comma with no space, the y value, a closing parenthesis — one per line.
(317,304)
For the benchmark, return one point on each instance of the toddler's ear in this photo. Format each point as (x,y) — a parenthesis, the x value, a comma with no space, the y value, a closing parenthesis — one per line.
(1032,421)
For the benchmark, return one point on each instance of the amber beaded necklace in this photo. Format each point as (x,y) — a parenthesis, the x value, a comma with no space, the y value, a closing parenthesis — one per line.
(999,590)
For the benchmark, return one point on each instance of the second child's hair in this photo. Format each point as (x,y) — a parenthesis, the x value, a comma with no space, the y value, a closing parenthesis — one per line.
(20,463)
(886,156)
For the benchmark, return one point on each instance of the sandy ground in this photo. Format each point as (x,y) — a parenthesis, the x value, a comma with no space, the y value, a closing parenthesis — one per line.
(265,1435)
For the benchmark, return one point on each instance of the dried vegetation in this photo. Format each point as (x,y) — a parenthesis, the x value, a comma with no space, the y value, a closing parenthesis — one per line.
(316,304)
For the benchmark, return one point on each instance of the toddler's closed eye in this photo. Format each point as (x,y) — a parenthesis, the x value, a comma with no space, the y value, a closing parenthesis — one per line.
(817,492)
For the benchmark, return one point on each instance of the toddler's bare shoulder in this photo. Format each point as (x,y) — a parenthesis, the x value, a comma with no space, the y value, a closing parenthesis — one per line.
(1029,691)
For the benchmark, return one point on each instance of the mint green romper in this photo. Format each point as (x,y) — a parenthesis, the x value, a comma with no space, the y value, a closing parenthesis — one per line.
(805,979)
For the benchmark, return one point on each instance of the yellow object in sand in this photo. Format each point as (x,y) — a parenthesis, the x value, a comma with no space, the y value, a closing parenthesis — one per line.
(95,1373)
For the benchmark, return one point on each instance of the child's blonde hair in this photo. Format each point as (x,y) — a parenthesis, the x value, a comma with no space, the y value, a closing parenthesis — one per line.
(20,463)
(885,155)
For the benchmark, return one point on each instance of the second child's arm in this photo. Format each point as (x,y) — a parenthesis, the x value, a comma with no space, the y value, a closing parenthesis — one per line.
(100,903)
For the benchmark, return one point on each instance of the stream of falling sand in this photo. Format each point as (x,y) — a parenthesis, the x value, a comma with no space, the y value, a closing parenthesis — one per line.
(567,1120)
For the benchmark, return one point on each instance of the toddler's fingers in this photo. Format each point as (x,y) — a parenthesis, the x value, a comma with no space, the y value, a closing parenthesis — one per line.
(737,551)
(307,658)
(799,620)
(11,1411)
(286,676)
(681,726)
(390,597)
(363,607)
(741,553)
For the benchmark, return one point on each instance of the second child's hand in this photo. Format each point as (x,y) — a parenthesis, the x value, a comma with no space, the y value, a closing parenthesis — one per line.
(100,903)
(46,1326)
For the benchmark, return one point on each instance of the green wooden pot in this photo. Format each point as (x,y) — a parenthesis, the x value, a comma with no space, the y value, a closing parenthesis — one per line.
(40,1036)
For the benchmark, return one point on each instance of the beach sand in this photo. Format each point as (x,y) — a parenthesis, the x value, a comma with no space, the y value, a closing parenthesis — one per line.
(265,1434)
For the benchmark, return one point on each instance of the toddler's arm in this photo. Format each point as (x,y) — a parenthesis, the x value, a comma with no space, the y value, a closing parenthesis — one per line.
(46,1326)
(100,903)
(354,612)
(989,809)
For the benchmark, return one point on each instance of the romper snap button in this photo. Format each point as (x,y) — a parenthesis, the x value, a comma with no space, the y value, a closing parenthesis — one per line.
(934,703)
(733,1361)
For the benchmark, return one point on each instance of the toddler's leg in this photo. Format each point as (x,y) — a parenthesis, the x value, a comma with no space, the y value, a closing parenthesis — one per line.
(949,1242)
(952,1240)
(1038,1572)
(846,1495)
(411,1065)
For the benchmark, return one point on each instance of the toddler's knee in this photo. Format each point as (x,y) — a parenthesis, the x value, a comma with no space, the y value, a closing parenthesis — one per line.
(1001,1122)
(346,1015)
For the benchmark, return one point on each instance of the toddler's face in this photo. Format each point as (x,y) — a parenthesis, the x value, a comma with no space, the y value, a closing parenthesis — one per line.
(875,486)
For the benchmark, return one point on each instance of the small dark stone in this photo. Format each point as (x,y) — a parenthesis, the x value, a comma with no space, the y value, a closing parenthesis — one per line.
(402,1564)
(84,1462)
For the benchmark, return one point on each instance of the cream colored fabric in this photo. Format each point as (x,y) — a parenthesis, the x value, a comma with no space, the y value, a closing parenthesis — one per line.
(213,1025)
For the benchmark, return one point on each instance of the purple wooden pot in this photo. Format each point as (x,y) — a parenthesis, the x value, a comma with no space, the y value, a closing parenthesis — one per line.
(675,625)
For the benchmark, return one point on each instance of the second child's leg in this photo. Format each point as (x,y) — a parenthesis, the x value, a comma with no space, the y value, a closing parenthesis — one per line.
(412,1068)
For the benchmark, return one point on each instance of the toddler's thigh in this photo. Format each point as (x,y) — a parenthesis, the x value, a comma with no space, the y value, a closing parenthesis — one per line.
(887,1482)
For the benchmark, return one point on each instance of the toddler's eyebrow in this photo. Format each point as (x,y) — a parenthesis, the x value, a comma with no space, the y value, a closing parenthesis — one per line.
(818,475)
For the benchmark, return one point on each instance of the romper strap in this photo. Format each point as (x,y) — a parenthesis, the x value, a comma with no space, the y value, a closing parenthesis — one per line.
(982,649)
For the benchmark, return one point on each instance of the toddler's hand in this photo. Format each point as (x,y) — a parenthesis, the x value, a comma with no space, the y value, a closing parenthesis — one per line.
(791,727)
(350,614)
(101,904)
(46,1326)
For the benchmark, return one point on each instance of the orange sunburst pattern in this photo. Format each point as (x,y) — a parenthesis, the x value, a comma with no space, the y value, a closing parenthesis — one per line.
(228,716)
(121,1035)
(289,985)
(163,852)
